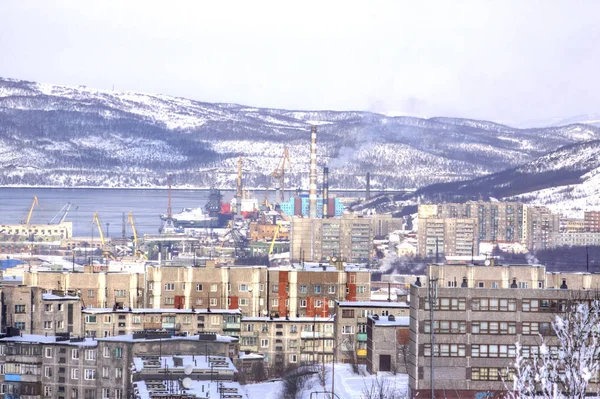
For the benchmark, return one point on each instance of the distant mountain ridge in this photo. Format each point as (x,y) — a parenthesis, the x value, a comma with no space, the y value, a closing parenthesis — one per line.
(53,135)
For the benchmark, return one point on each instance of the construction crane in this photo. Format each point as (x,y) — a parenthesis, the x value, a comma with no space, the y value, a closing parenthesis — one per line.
(64,210)
(279,173)
(33,204)
(135,236)
(274,238)
(96,220)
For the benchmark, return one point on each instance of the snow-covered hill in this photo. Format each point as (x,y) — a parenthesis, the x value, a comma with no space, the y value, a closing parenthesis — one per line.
(77,136)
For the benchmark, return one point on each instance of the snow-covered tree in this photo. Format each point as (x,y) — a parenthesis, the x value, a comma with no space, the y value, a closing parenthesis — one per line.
(565,364)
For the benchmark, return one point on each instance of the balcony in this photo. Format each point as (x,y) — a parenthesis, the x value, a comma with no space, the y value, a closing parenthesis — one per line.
(361,337)
(310,335)
(152,326)
(361,352)
(232,326)
(248,348)
(171,326)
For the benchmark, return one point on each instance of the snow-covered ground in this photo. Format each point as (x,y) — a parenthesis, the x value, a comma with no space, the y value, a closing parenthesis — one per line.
(347,384)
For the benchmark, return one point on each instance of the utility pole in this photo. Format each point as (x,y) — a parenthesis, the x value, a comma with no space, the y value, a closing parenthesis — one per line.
(432,287)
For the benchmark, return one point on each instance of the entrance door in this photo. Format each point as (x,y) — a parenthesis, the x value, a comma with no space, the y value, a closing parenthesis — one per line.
(385,363)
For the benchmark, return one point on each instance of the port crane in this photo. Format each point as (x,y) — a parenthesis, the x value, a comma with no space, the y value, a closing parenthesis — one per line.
(33,204)
(96,220)
(64,211)
(279,173)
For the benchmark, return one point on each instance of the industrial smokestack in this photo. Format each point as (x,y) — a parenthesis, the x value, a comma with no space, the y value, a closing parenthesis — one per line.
(312,195)
(368,193)
(325,192)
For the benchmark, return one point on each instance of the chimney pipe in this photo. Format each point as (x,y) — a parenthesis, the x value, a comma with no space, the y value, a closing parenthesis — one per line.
(312,196)
(368,193)
(325,192)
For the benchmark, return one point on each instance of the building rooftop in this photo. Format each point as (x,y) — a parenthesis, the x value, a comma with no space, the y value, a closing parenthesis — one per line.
(161,310)
(373,304)
(178,364)
(391,321)
(50,339)
(290,319)
(198,389)
(53,297)
(156,337)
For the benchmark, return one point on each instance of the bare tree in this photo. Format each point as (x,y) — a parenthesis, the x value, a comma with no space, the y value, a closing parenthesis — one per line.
(383,388)
(564,365)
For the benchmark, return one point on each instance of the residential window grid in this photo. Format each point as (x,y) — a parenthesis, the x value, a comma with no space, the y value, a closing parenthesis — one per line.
(494,304)
(493,327)
(491,374)
(445,350)
(479,350)
(448,304)
(446,327)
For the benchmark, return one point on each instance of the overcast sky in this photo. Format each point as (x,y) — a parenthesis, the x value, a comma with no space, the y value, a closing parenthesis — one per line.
(508,61)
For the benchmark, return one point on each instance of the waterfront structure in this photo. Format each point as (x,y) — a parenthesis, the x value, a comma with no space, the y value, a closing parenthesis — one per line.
(67,367)
(387,343)
(351,326)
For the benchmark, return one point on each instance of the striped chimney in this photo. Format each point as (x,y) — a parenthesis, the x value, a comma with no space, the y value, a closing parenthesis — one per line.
(312,194)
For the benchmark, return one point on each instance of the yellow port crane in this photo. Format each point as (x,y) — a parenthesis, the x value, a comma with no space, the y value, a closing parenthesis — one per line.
(279,172)
(132,223)
(275,234)
(33,204)
(96,220)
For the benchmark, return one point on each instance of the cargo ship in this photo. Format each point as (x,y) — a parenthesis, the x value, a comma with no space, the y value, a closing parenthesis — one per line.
(214,215)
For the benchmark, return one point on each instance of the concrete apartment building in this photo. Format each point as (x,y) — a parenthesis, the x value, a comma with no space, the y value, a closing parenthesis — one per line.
(388,340)
(285,341)
(591,221)
(481,311)
(439,237)
(349,237)
(39,366)
(99,322)
(351,326)
(539,225)
(34,312)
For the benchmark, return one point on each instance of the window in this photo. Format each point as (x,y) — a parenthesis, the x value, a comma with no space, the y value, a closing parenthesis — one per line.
(248,327)
(523,284)
(169,300)
(275,302)
(90,319)
(318,303)
(48,308)
(361,289)
(493,304)
(303,289)
(448,304)
(302,303)
(293,329)
(105,372)
(105,393)
(61,307)
(275,288)
(530,305)
(137,319)
(118,394)
(199,287)
(541,284)
(74,353)
(213,288)
(118,352)
(491,374)
(20,325)
(347,329)
(118,372)
(264,343)
(445,350)
(451,284)
(331,289)
(213,301)
(150,285)
(243,302)
(48,352)
(348,313)
(492,351)
(446,327)
(107,319)
(47,325)
(90,374)
(120,293)
(47,391)
(19,308)
(495,284)
(480,284)
(106,352)
(60,324)
(243,287)
(90,293)
(199,301)
(90,354)
(47,372)
(74,374)
(169,286)
(293,358)
(317,289)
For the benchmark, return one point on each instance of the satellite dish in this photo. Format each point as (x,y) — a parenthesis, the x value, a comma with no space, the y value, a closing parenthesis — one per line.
(188,369)
(187,382)
(250,289)
(334,259)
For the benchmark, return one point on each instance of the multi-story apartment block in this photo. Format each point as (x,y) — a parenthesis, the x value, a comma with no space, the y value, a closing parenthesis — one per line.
(39,366)
(99,322)
(349,238)
(539,225)
(591,221)
(575,239)
(351,326)
(439,237)
(34,312)
(387,343)
(570,225)
(285,341)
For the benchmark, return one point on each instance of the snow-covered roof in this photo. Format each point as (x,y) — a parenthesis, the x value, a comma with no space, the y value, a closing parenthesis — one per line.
(179,363)
(290,319)
(50,339)
(52,297)
(162,310)
(373,304)
(130,338)
(250,356)
(403,321)
(199,389)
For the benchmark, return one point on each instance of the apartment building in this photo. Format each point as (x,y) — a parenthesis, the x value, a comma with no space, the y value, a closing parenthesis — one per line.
(575,239)
(33,311)
(439,237)
(591,221)
(539,225)
(99,322)
(285,341)
(349,238)
(351,326)
(61,367)
(388,338)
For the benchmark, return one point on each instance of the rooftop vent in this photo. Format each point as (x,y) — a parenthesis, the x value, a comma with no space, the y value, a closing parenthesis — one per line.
(514,284)
(391,317)
(563,286)
(464,283)
(418,282)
